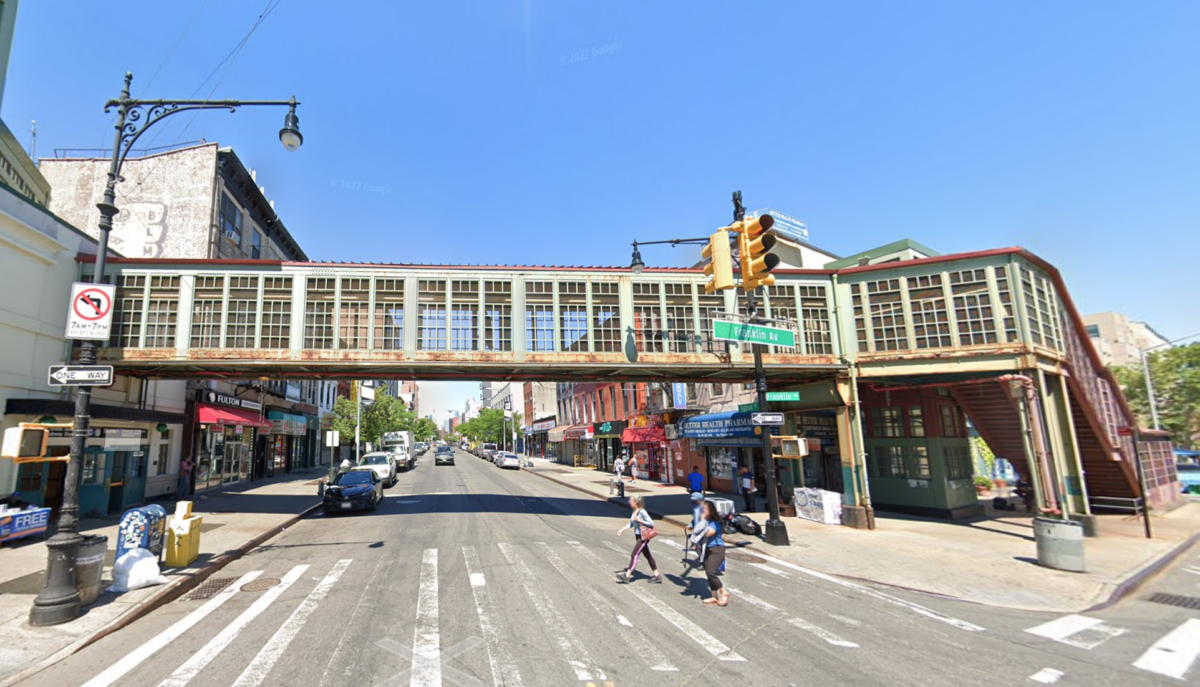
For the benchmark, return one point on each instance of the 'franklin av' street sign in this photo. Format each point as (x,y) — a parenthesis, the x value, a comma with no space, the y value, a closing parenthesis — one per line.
(753,333)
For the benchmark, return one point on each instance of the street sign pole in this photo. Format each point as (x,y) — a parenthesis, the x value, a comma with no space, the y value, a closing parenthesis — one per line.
(775,531)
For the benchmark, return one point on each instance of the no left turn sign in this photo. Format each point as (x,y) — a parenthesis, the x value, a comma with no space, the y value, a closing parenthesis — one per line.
(90,314)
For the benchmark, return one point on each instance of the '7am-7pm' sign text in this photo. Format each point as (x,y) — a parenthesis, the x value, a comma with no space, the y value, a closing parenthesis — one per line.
(753,333)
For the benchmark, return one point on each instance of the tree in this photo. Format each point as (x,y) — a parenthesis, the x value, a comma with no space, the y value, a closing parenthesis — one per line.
(385,414)
(489,426)
(425,429)
(1175,374)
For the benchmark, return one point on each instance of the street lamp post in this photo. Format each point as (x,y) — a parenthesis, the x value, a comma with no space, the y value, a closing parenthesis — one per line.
(58,600)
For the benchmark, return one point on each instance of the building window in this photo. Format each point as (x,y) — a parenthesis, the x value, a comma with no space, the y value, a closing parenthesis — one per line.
(887,422)
(1006,305)
(161,312)
(164,455)
(497,316)
(464,315)
(127,319)
(276,313)
(781,304)
(952,421)
(231,219)
(389,314)
(255,244)
(814,311)
(888,327)
(679,330)
(318,313)
(712,307)
(606,317)
(206,311)
(539,316)
(1093,330)
(902,462)
(243,312)
(647,318)
(572,307)
(927,300)
(916,422)
(431,308)
(353,322)
(958,462)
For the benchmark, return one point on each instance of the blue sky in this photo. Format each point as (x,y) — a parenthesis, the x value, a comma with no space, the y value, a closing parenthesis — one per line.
(474,132)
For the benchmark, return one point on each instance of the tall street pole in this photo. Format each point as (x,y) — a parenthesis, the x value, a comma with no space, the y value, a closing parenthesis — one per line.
(58,601)
(775,531)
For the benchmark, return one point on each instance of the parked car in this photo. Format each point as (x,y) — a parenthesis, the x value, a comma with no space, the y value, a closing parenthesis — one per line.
(358,488)
(1189,476)
(489,454)
(444,456)
(508,460)
(406,461)
(383,464)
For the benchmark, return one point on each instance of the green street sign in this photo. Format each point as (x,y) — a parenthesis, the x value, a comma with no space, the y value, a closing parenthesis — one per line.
(748,408)
(783,395)
(753,333)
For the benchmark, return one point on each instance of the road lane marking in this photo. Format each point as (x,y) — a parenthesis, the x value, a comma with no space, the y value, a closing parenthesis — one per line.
(368,599)
(1046,676)
(692,630)
(1078,631)
(257,671)
(915,608)
(635,639)
(134,658)
(824,634)
(199,660)
(427,643)
(773,571)
(504,670)
(568,643)
(1174,654)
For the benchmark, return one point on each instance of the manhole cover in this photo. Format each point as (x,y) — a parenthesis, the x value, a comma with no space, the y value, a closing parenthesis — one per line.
(743,557)
(209,588)
(260,585)
(1175,600)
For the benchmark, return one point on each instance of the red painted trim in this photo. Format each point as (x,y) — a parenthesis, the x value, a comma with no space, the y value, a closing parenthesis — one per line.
(184,261)
(936,259)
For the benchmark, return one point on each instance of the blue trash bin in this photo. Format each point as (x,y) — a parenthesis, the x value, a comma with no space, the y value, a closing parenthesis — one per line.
(157,528)
(134,531)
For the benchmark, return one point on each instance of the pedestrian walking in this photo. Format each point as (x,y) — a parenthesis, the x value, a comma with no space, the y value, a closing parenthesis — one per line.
(185,477)
(748,490)
(697,521)
(633,468)
(643,531)
(712,545)
(619,468)
(696,481)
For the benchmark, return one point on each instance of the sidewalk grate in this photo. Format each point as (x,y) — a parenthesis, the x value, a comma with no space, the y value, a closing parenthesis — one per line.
(261,585)
(209,588)
(1191,602)
(743,557)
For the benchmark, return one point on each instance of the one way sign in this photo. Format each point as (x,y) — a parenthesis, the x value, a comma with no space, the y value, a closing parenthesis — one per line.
(81,375)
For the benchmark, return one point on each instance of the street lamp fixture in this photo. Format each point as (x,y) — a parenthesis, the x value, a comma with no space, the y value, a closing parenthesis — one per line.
(637,266)
(58,600)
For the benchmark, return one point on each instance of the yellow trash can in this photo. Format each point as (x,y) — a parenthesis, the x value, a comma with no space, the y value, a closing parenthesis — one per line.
(183,536)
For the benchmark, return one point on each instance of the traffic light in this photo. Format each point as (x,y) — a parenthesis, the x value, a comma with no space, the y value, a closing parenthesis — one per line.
(720,262)
(755,242)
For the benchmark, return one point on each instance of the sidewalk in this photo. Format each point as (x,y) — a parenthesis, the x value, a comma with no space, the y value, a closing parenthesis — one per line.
(235,520)
(990,560)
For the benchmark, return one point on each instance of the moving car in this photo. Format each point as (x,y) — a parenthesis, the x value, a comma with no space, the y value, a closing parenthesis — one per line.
(508,460)
(444,456)
(353,489)
(383,464)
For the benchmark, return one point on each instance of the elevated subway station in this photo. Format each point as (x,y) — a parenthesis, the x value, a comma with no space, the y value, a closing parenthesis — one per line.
(992,336)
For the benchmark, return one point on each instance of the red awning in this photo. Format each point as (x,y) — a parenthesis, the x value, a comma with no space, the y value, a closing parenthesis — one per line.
(643,435)
(577,432)
(220,415)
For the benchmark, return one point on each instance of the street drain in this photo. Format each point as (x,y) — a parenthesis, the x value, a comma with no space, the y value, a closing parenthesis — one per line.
(209,588)
(260,585)
(743,557)
(1175,600)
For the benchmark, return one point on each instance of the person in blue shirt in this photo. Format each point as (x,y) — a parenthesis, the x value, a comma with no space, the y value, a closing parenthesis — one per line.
(708,537)
(696,480)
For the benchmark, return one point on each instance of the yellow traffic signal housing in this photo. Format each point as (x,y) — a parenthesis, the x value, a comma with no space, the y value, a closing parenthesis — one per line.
(754,245)
(720,262)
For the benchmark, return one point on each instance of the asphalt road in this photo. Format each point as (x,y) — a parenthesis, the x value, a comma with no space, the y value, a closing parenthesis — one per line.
(472,575)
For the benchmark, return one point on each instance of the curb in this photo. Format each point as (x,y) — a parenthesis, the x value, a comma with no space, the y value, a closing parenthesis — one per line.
(170,592)
(1122,590)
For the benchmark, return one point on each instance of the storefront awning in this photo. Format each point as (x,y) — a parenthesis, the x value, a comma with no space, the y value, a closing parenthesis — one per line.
(716,426)
(643,435)
(222,415)
(286,423)
(558,433)
(578,432)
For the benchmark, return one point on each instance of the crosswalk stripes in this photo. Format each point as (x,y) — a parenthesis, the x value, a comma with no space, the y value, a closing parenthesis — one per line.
(426,648)
(135,658)
(504,669)
(577,656)
(710,643)
(257,671)
(635,639)
(1172,655)
(192,667)
(824,634)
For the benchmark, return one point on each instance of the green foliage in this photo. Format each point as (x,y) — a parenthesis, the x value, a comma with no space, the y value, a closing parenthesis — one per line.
(425,429)
(489,426)
(386,414)
(980,448)
(1175,375)
(985,482)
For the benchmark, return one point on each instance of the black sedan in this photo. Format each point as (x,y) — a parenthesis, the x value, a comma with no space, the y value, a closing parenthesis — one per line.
(354,489)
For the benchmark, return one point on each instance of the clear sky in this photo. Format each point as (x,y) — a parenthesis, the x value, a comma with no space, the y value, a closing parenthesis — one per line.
(556,132)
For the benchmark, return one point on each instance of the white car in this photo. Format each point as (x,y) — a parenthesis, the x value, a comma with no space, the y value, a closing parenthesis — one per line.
(383,465)
(508,460)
